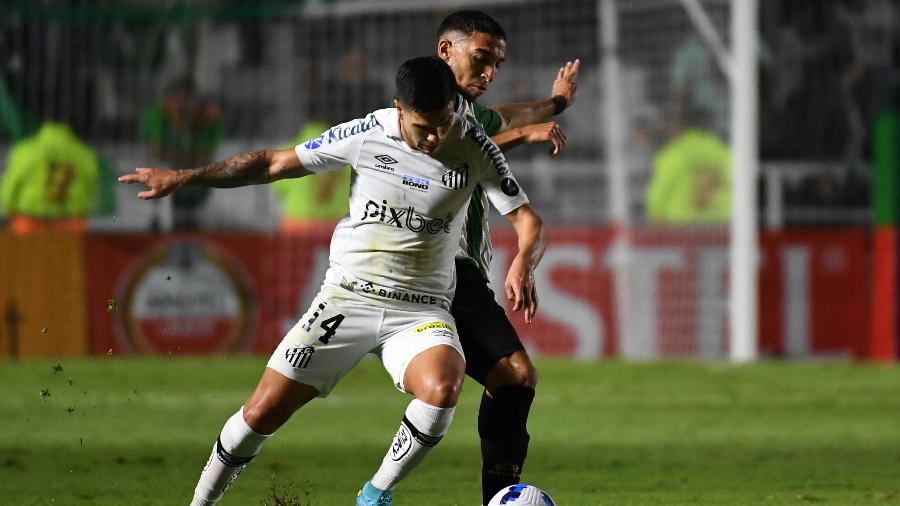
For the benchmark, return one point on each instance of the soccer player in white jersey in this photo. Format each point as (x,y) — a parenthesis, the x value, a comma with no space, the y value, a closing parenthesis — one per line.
(474,45)
(391,276)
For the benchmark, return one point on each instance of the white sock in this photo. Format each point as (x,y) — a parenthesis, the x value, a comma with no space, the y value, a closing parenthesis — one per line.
(236,446)
(422,427)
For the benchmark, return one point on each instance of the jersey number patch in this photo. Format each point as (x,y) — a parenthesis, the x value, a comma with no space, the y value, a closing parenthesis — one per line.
(329,325)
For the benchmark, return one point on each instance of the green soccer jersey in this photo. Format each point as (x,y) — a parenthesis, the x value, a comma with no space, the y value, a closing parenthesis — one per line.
(475,243)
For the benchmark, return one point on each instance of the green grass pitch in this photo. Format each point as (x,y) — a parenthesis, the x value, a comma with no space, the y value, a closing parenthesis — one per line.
(119,431)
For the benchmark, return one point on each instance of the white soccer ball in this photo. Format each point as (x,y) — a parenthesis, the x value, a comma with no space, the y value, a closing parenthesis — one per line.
(521,494)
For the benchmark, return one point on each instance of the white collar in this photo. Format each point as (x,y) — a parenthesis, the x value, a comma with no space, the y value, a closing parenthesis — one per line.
(391,124)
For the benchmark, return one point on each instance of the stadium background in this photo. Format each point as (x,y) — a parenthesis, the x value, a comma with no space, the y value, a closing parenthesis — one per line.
(272,67)
(124,348)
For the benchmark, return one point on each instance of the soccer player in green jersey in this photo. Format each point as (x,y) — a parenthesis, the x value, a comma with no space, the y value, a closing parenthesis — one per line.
(474,46)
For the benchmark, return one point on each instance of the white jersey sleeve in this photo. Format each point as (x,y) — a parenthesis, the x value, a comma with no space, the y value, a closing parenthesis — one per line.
(498,181)
(336,148)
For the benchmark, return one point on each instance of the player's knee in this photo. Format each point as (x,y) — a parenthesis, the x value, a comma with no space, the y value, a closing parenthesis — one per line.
(263,417)
(525,374)
(524,377)
(515,370)
(442,392)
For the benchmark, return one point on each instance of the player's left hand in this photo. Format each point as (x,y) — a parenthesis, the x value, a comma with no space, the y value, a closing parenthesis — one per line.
(565,84)
(546,132)
(159,182)
(520,289)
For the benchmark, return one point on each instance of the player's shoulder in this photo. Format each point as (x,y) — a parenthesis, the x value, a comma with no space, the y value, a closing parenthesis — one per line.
(486,118)
(465,109)
(481,148)
(462,106)
(355,129)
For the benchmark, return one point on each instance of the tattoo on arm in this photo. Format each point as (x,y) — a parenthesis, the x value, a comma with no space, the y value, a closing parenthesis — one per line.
(242,170)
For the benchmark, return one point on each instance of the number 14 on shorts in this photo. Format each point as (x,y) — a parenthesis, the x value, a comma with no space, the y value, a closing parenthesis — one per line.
(329,325)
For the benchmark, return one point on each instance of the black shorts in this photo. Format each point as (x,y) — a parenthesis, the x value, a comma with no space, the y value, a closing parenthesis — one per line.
(484,330)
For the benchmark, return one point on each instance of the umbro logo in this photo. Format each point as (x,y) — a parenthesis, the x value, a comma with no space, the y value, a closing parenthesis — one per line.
(386,163)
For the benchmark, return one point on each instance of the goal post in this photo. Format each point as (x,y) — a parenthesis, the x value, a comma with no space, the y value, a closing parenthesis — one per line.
(738,63)
(743,313)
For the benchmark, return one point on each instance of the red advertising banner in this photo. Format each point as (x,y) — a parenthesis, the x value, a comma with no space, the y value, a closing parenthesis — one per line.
(813,293)
(203,293)
(216,293)
(814,287)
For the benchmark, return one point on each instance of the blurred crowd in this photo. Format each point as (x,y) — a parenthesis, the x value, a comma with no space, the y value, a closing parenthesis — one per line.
(828,68)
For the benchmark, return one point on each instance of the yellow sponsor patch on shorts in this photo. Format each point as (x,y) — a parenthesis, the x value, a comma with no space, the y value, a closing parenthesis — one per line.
(433,325)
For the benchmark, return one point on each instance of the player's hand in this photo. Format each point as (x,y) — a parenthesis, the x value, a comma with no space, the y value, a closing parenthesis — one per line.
(159,182)
(565,84)
(520,289)
(546,132)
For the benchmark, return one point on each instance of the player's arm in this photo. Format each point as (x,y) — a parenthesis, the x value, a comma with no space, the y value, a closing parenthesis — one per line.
(532,242)
(532,134)
(255,167)
(562,95)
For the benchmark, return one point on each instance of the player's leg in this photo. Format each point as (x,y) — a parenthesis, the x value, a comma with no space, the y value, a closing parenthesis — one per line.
(502,421)
(495,358)
(326,343)
(426,361)
(275,399)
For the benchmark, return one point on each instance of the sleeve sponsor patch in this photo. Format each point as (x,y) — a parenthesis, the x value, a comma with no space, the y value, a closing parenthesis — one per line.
(342,132)
(490,149)
(509,187)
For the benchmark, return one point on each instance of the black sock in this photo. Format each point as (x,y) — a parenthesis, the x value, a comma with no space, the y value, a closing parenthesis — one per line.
(504,437)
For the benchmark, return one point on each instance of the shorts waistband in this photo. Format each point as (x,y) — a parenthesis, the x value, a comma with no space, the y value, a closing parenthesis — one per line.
(395,297)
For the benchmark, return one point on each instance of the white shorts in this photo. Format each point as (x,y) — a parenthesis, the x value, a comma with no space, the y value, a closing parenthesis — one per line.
(341,327)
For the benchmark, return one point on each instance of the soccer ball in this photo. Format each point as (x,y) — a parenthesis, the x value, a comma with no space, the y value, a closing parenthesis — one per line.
(521,494)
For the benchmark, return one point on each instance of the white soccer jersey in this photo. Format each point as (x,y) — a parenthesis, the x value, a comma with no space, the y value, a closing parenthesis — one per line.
(406,208)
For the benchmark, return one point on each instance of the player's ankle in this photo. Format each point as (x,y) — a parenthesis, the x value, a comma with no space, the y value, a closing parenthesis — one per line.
(371,491)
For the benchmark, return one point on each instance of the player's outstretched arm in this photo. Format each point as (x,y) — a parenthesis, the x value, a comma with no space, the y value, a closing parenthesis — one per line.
(562,95)
(532,241)
(255,167)
(533,134)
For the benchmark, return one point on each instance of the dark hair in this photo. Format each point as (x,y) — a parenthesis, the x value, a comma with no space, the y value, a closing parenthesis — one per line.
(471,21)
(425,84)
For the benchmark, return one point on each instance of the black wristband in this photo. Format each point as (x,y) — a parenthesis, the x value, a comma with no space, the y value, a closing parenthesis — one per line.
(559,104)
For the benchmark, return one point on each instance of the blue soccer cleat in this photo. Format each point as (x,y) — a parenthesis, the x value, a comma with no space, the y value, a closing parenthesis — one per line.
(372,496)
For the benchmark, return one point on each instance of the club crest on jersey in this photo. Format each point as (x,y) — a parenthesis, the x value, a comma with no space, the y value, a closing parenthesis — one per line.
(407,218)
(457,177)
(490,149)
(341,132)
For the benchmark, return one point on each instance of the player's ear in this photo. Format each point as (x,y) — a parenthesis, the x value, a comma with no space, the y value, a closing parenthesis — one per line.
(443,49)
